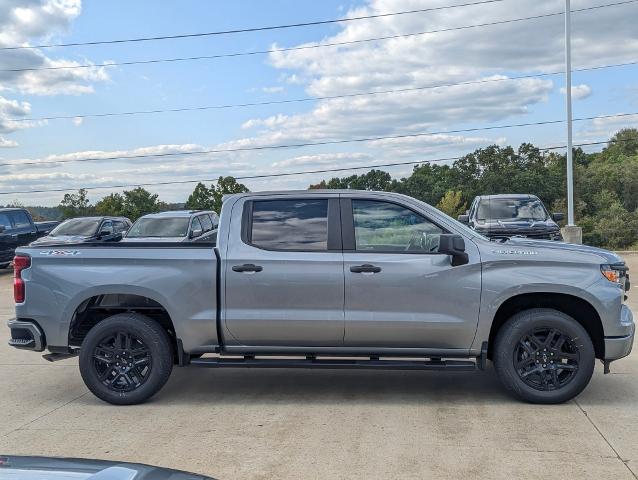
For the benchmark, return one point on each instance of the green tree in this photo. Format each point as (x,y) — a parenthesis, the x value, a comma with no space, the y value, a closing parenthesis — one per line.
(75,205)
(452,203)
(139,201)
(111,205)
(210,198)
(373,180)
(200,199)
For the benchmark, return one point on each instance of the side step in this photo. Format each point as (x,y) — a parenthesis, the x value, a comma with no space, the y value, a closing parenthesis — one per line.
(373,363)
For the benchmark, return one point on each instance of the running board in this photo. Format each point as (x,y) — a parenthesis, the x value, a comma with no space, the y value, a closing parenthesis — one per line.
(311,362)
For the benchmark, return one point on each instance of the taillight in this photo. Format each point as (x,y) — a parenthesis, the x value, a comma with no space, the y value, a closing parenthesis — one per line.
(20,262)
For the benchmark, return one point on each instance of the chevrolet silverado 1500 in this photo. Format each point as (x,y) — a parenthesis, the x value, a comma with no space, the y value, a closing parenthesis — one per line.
(326,279)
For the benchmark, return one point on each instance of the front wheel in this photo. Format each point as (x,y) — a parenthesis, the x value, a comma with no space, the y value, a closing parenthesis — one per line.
(544,356)
(125,359)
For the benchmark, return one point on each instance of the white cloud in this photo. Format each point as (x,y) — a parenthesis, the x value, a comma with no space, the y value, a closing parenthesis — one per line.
(5,143)
(579,92)
(77,121)
(323,159)
(274,89)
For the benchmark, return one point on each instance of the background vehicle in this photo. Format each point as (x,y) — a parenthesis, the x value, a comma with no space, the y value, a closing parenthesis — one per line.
(175,226)
(87,229)
(324,275)
(30,468)
(17,228)
(509,215)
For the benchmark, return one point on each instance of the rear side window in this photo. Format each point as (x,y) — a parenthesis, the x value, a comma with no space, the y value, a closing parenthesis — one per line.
(290,224)
(4,221)
(215,220)
(20,219)
(207,224)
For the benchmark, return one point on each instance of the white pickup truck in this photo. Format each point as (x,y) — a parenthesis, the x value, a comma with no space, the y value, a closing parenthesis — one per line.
(326,279)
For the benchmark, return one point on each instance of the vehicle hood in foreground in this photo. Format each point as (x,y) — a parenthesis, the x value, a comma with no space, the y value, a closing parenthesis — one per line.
(40,468)
(606,255)
(62,239)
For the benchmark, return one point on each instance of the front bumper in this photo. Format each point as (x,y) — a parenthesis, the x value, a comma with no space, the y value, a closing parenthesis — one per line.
(26,335)
(619,347)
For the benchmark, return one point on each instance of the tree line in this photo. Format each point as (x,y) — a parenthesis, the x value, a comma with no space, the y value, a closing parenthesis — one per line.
(606,187)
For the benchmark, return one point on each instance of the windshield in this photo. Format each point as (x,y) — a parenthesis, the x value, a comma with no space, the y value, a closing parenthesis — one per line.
(82,227)
(511,209)
(159,227)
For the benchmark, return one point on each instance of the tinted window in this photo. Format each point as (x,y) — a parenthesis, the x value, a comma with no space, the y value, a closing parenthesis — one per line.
(215,219)
(159,227)
(83,227)
(290,224)
(196,225)
(20,219)
(206,222)
(386,227)
(4,221)
(119,226)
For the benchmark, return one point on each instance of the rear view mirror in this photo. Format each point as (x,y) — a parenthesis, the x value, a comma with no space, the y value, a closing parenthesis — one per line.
(465,219)
(557,217)
(453,245)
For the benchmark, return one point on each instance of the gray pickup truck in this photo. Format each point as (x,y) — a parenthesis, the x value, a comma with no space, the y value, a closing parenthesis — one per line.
(326,279)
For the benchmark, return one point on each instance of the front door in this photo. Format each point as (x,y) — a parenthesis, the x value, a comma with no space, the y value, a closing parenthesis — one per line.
(284,279)
(399,291)
(23,228)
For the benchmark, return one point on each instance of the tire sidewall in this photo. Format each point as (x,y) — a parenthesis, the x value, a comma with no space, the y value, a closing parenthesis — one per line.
(526,322)
(155,339)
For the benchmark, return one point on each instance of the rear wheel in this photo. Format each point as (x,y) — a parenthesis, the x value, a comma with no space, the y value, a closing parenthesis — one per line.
(125,359)
(544,356)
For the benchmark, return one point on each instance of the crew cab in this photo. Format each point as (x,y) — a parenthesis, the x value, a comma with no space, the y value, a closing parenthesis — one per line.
(17,228)
(326,279)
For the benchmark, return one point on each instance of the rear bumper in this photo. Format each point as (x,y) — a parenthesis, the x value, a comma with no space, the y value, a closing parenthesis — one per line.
(619,347)
(26,335)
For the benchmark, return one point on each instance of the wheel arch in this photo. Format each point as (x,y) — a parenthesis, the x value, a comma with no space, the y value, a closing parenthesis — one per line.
(576,307)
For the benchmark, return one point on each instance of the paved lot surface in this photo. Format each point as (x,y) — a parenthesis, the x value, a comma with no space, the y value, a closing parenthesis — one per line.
(293,424)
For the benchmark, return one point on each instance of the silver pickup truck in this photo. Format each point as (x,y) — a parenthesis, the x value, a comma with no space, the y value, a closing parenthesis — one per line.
(326,279)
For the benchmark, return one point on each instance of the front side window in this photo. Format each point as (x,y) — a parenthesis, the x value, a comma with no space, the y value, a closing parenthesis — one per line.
(159,227)
(387,227)
(196,225)
(290,224)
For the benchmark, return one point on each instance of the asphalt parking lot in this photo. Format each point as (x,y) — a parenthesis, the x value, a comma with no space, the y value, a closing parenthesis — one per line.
(293,424)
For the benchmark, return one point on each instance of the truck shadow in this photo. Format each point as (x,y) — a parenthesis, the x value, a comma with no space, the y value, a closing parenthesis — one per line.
(192,386)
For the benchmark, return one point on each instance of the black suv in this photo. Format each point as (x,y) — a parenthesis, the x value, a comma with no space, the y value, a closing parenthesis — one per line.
(509,215)
(87,229)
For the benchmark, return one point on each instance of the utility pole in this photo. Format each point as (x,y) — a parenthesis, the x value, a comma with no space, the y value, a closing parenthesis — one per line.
(571,233)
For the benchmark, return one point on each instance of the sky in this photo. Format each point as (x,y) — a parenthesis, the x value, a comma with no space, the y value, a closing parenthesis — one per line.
(28,144)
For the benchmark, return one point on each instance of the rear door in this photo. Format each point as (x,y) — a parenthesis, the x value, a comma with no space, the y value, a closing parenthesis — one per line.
(399,291)
(284,272)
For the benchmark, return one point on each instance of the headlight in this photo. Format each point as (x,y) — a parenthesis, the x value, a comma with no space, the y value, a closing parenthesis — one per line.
(616,273)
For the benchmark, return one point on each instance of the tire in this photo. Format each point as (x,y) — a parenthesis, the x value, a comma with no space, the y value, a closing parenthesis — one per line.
(527,364)
(126,359)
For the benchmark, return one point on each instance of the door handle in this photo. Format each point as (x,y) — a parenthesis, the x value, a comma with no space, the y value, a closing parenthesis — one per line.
(247,267)
(367,268)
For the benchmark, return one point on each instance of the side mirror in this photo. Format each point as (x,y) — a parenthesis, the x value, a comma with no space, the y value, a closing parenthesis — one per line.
(105,232)
(453,245)
(196,233)
(557,217)
(465,219)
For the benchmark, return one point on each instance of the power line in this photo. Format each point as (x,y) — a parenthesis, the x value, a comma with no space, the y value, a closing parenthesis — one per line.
(287,174)
(308,99)
(307,47)
(311,144)
(253,29)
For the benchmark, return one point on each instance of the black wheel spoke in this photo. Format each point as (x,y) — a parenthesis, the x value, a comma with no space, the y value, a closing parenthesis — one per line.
(122,362)
(546,359)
